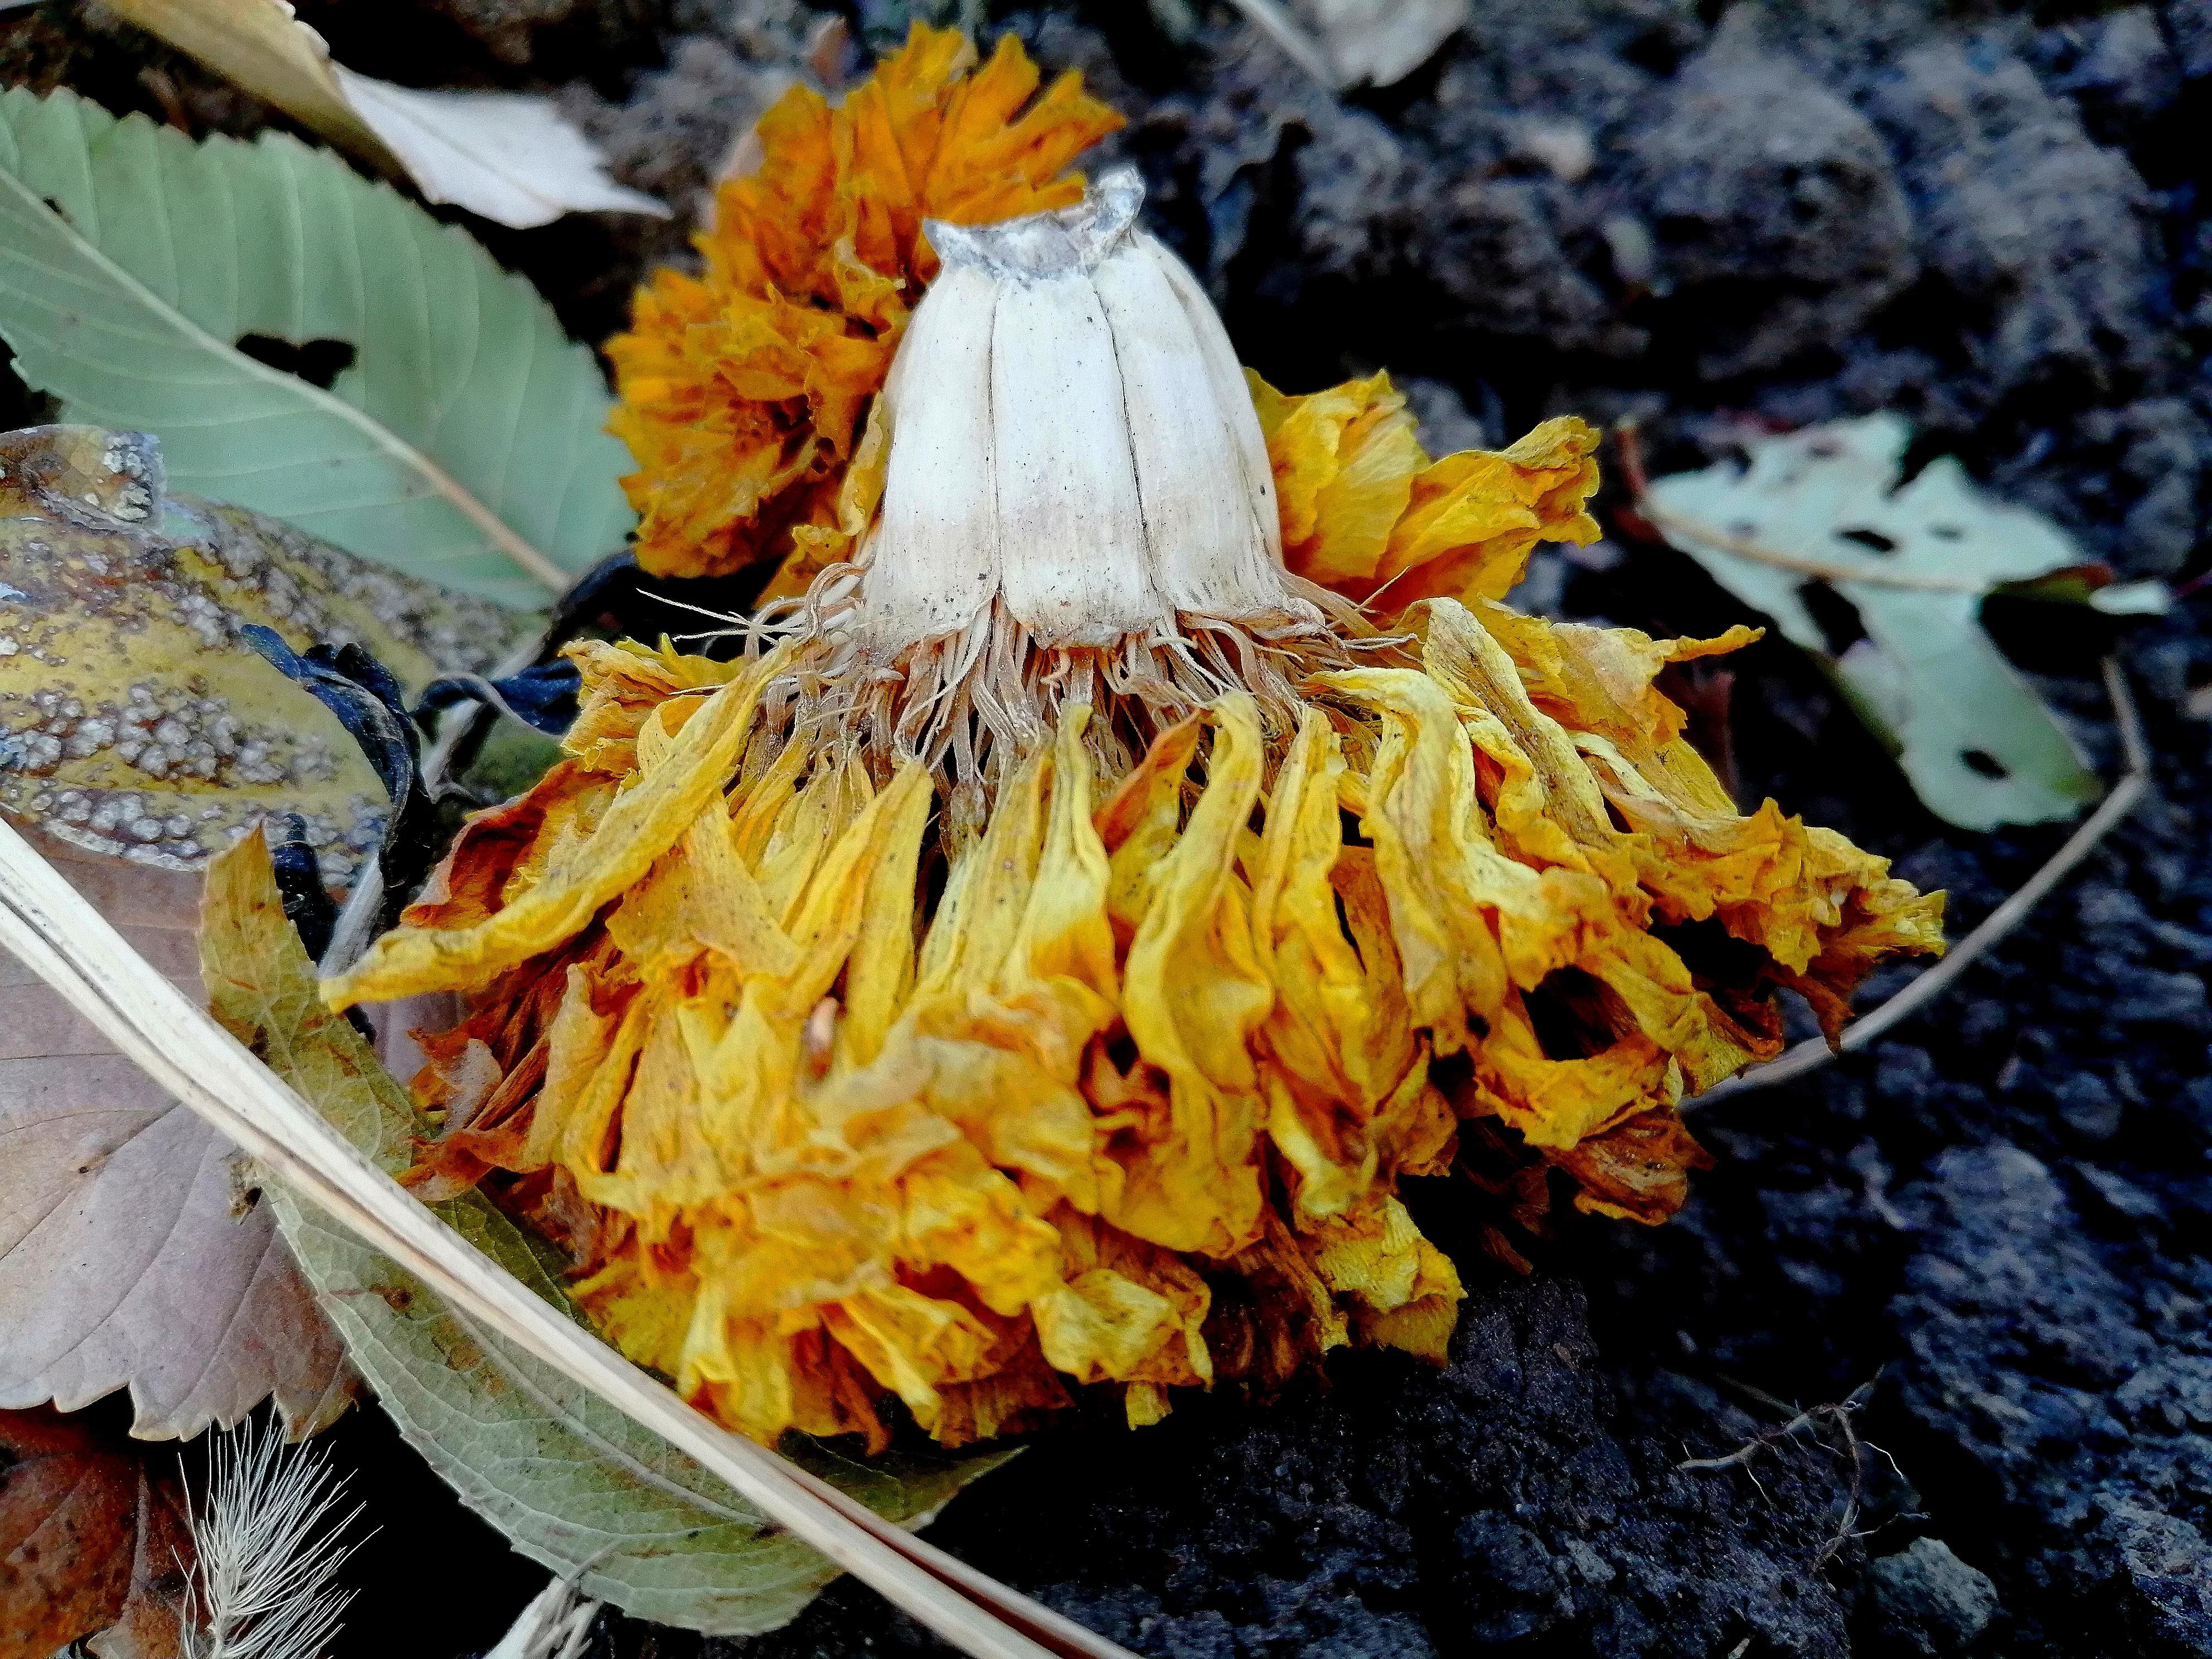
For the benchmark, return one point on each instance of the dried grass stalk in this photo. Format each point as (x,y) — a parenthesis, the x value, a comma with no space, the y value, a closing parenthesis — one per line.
(555,1625)
(270,1543)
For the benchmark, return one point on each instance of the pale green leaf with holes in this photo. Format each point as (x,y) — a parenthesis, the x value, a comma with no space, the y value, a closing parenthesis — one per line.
(572,1482)
(1828,507)
(465,443)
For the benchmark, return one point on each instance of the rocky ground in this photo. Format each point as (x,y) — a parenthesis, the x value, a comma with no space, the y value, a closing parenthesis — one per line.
(1717,219)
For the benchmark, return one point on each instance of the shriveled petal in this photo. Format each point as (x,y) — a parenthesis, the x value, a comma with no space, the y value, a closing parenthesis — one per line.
(1365,510)
(1121,1094)
(1193,995)
(637,827)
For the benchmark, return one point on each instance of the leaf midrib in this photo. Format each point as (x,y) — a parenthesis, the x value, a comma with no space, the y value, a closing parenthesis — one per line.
(495,529)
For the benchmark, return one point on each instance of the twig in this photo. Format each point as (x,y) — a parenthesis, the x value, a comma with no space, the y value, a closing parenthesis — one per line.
(1839,1413)
(1301,48)
(357,921)
(1628,439)
(1843,1535)
(1762,1441)
(2127,794)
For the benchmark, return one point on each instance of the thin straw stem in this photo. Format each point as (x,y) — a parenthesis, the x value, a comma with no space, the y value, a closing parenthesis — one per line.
(2127,794)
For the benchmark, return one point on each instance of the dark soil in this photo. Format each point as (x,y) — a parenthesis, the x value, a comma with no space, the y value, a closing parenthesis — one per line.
(1718,219)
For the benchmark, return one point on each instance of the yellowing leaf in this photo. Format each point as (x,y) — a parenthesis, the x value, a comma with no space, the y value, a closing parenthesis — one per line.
(1826,507)
(134,719)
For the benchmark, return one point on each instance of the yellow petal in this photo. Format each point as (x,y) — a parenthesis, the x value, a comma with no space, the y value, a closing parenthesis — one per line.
(644,822)
(1366,512)
(880,972)
(1474,517)
(911,1343)
(1193,995)
(700,897)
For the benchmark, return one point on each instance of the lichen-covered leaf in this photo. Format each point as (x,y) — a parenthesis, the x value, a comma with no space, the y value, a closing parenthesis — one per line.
(1914,559)
(132,1253)
(464,442)
(572,1483)
(134,719)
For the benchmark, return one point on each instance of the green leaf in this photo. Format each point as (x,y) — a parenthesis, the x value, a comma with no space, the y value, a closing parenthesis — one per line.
(570,1480)
(465,442)
(1826,508)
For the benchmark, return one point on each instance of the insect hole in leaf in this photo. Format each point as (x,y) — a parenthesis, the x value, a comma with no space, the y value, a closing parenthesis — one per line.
(318,362)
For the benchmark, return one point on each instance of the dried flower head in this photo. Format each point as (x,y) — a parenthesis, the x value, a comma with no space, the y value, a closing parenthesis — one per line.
(1036,962)
(743,387)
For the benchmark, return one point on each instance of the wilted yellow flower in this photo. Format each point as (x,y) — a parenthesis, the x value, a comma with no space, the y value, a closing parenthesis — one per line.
(1036,961)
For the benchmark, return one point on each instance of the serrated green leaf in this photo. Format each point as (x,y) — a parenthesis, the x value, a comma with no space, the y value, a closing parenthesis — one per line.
(1825,508)
(571,1482)
(464,443)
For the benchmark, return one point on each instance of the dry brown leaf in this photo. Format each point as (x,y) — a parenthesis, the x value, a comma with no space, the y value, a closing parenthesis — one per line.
(511,157)
(131,1253)
(91,1539)
(156,1606)
(260,45)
